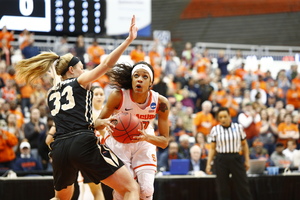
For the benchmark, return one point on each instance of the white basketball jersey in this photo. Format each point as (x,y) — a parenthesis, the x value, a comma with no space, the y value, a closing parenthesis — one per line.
(147,114)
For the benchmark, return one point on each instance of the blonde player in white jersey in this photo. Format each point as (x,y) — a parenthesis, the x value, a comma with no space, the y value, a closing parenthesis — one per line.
(133,94)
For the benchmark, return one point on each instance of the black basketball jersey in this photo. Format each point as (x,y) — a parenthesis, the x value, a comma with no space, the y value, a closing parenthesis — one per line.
(71,106)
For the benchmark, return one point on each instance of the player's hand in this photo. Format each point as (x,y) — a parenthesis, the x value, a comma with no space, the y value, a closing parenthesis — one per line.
(133,29)
(100,124)
(142,137)
(208,169)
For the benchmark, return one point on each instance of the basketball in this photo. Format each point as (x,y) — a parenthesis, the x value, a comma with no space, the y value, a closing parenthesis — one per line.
(126,126)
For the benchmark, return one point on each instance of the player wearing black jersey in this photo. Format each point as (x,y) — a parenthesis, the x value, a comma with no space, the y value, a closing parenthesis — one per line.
(75,146)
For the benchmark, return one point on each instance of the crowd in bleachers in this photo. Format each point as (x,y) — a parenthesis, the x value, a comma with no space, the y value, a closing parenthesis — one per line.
(266,106)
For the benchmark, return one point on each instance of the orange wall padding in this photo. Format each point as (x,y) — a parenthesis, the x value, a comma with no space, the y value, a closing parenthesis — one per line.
(225,8)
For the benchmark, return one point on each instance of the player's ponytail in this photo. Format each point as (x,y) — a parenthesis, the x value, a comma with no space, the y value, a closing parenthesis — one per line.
(33,68)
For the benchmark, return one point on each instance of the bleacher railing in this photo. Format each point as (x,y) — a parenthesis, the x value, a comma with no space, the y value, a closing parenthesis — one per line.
(46,43)
(260,51)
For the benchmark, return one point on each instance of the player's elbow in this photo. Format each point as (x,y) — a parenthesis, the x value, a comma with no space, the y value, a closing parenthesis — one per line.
(164,144)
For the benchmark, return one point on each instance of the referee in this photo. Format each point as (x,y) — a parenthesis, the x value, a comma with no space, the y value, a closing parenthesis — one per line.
(228,139)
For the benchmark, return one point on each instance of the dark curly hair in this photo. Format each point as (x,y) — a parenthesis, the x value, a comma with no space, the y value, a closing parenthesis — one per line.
(120,75)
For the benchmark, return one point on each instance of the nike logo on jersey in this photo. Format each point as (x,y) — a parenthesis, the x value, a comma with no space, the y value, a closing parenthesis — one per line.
(127,109)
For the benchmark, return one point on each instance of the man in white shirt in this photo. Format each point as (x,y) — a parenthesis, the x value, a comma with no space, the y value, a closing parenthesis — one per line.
(292,153)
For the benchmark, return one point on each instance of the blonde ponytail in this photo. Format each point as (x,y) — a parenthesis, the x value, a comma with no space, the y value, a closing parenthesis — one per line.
(33,68)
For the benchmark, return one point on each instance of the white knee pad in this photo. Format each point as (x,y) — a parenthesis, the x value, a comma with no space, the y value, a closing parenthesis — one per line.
(146,182)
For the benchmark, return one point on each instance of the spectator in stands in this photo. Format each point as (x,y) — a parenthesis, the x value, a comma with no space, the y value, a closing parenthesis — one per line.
(30,50)
(238,95)
(24,39)
(200,140)
(39,96)
(274,90)
(158,71)
(7,36)
(3,71)
(165,158)
(79,49)
(61,46)
(292,153)
(287,130)
(6,50)
(95,51)
(25,162)
(268,77)
(250,77)
(229,102)
(3,112)
(171,65)
(268,129)
(15,109)
(26,91)
(161,86)
(249,118)
(222,63)
(290,109)
(283,81)
(271,101)
(194,93)
(258,95)
(281,115)
(257,151)
(202,64)
(259,72)
(179,129)
(173,116)
(169,51)
(153,55)
(260,81)
(205,88)
(188,121)
(187,56)
(197,164)
(9,91)
(137,54)
(184,146)
(296,81)
(236,61)
(240,71)
(278,158)
(204,120)
(34,131)
(292,72)
(293,96)
(7,153)
(232,81)
(11,127)
(187,101)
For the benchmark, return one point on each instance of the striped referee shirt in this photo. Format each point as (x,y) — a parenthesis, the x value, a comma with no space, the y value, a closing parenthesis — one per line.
(228,139)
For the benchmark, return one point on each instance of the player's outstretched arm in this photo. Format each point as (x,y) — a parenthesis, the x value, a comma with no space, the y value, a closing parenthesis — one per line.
(111,59)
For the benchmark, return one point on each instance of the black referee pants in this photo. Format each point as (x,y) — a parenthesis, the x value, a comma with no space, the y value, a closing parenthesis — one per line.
(231,163)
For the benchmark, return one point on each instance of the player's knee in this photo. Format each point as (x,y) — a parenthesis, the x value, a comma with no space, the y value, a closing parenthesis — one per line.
(147,192)
(117,196)
(146,182)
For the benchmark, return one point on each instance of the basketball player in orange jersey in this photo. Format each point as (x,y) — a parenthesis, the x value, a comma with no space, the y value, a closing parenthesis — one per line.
(133,94)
